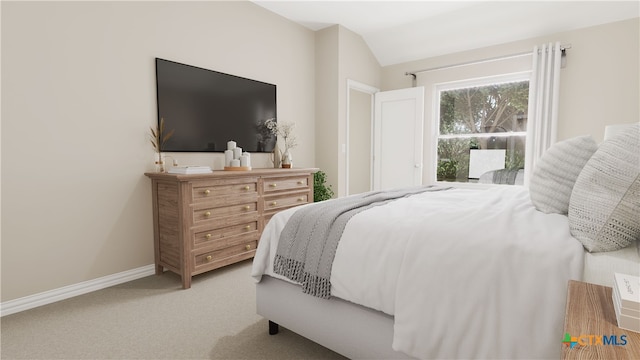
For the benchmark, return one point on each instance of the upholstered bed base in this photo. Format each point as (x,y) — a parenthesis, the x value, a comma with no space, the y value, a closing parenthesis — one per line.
(344,327)
(599,267)
(362,333)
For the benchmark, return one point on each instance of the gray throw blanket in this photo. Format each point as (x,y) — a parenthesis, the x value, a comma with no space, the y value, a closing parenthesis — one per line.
(505,176)
(308,242)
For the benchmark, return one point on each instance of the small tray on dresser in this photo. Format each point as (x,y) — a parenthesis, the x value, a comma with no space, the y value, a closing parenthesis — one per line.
(237,168)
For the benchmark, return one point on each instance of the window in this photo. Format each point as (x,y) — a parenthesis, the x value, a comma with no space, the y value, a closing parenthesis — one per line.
(482,127)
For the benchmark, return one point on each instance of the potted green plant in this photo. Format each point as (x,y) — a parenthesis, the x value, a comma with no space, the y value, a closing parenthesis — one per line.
(321,191)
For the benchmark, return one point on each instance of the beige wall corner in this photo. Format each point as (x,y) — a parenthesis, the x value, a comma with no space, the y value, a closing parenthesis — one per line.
(341,54)
(78,98)
(326,106)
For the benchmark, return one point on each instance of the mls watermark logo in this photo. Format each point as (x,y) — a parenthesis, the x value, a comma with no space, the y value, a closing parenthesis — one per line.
(593,340)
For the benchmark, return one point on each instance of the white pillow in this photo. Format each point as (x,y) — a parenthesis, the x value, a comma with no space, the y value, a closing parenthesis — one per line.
(604,210)
(556,172)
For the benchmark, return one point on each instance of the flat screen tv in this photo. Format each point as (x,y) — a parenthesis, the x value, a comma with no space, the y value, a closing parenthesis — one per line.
(207,109)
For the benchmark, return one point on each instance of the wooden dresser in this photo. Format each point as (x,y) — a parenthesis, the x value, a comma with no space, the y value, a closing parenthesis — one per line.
(206,221)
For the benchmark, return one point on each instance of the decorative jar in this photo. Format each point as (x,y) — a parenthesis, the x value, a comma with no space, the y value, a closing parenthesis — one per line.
(159,162)
(287,159)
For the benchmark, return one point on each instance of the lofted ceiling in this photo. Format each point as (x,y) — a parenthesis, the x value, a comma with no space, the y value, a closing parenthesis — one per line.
(401,31)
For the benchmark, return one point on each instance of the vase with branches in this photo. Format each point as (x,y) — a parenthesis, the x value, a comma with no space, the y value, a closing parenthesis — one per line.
(285,132)
(158,138)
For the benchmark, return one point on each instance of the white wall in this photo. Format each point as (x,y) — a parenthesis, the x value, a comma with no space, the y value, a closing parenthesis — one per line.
(341,54)
(598,87)
(78,98)
(359,148)
(356,63)
(326,96)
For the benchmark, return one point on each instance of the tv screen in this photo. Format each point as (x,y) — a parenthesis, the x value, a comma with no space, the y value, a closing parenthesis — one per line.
(207,109)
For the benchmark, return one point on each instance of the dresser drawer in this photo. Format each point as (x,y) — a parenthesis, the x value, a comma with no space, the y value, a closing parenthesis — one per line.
(207,190)
(271,185)
(277,203)
(216,214)
(225,236)
(213,259)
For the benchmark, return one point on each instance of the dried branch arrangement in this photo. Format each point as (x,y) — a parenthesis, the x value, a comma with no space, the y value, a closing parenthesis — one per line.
(158,136)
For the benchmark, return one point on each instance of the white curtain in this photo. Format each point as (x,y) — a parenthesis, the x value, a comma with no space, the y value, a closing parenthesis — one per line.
(544,89)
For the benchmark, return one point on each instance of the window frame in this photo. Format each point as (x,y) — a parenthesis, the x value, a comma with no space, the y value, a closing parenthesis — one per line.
(438,88)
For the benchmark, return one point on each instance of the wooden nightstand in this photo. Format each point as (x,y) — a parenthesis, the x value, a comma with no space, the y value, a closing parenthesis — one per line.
(590,311)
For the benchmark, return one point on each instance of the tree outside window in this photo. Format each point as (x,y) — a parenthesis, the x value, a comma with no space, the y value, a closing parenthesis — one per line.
(491,116)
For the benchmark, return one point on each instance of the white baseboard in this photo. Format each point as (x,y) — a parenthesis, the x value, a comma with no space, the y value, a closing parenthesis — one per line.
(66,292)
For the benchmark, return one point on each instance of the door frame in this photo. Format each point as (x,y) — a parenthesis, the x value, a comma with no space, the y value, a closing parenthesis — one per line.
(367,89)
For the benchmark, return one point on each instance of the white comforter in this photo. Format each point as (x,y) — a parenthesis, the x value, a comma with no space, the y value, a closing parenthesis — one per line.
(466,273)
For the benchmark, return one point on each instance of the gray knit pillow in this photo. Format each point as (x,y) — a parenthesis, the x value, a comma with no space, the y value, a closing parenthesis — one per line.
(604,211)
(556,172)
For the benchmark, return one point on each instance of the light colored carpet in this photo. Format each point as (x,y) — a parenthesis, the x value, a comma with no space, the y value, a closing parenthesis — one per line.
(153,318)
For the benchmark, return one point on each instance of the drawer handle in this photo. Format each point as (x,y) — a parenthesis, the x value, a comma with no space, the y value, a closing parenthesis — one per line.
(300,182)
(207,214)
(273,185)
(208,236)
(247,207)
(248,247)
(274,203)
(208,258)
(207,192)
(300,199)
(248,227)
(247,187)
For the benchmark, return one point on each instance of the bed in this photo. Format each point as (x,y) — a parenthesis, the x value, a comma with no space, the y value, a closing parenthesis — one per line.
(440,273)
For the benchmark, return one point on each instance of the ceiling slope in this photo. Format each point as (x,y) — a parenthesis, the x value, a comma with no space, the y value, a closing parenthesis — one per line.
(401,31)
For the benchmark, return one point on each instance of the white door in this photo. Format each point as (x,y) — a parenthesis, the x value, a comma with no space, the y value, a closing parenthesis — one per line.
(398,136)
